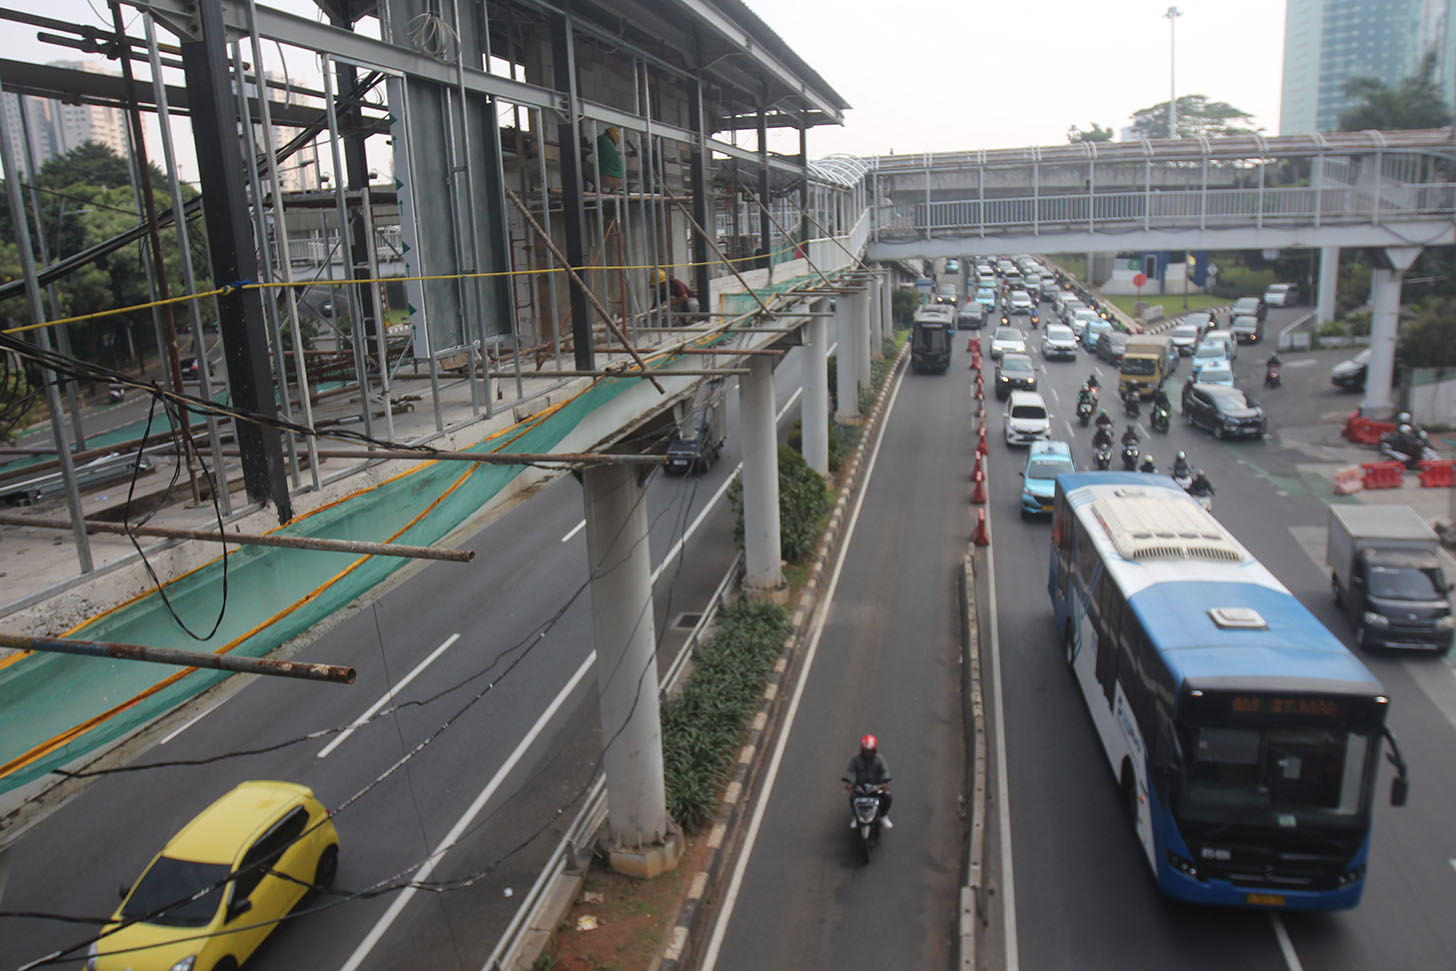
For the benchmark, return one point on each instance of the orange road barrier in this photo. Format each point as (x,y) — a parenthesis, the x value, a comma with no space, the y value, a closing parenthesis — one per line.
(978,494)
(1348,480)
(981,537)
(1436,475)
(981,447)
(1383,475)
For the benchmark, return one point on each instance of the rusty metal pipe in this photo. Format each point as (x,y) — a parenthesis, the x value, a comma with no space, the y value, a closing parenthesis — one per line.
(186,659)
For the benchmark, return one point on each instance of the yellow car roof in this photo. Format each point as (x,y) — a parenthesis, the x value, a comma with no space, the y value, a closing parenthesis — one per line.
(221,831)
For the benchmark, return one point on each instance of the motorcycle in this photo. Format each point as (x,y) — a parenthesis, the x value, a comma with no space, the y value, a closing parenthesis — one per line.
(1271,376)
(1131,452)
(1412,454)
(1084,412)
(1161,418)
(864,802)
(1131,404)
(1184,481)
(1102,456)
(1206,501)
(115,393)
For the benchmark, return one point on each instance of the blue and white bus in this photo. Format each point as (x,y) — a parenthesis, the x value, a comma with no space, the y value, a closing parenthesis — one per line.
(1244,736)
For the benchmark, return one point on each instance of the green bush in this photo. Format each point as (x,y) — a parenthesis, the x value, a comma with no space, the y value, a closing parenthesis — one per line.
(903,304)
(703,726)
(803,500)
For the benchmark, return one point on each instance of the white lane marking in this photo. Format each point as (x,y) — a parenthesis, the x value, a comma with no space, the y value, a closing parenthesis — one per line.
(821,616)
(399,686)
(189,724)
(1286,946)
(677,547)
(1003,802)
(463,823)
(574,530)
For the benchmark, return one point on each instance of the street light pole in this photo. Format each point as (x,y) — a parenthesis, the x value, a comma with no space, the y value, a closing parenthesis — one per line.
(1173,14)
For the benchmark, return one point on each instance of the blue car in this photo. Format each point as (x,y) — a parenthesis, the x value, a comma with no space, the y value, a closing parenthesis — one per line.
(1046,461)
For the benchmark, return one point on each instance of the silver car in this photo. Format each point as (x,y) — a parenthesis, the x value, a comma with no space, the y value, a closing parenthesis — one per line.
(1058,341)
(1007,340)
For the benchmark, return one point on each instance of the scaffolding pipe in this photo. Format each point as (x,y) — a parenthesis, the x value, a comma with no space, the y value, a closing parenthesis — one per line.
(186,659)
(255,539)
(496,458)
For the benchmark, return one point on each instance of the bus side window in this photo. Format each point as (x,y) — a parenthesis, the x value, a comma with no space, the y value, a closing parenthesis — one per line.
(1110,607)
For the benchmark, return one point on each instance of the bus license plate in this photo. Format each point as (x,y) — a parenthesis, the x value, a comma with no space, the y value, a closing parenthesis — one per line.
(1264,899)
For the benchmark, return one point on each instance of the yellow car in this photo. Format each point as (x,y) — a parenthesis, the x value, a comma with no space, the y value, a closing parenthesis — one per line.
(221,885)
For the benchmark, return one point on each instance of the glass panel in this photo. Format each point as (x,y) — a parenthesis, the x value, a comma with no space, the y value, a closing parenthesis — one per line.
(168,881)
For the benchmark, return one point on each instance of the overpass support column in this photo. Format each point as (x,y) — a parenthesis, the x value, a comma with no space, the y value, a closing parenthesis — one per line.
(887,302)
(866,344)
(761,549)
(846,368)
(642,840)
(815,408)
(1329,275)
(1384,319)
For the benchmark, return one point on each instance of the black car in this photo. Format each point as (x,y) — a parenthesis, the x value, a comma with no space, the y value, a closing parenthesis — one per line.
(1225,411)
(1250,307)
(1014,372)
(1110,347)
(1350,375)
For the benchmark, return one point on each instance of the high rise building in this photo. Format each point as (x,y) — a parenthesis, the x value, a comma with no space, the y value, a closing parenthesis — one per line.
(1328,42)
(56,128)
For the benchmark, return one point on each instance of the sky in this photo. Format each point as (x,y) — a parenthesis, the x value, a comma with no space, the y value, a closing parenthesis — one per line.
(931,75)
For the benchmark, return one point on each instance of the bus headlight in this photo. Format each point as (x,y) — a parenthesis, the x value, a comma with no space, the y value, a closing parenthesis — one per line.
(1350,876)
(1182,865)
(1375,620)
(1445,623)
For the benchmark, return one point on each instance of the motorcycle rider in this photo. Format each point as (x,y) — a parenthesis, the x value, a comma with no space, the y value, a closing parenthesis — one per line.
(1084,397)
(1148,464)
(1130,437)
(1180,466)
(1200,486)
(1160,400)
(869,766)
(1092,380)
(1187,390)
(1103,435)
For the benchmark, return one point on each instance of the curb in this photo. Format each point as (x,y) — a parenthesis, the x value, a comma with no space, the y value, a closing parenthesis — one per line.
(765,723)
(972,893)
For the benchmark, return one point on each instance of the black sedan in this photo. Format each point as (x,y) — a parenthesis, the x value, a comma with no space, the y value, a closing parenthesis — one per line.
(1225,411)
(1014,372)
(1350,375)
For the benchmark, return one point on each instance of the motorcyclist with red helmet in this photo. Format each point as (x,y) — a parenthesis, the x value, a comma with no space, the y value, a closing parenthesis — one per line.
(869,766)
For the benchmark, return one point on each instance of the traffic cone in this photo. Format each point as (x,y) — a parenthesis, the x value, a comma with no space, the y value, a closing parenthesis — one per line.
(978,494)
(980,536)
(981,447)
(976,472)
(971,344)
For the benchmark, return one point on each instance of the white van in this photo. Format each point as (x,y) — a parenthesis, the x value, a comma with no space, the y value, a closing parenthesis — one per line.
(1026,419)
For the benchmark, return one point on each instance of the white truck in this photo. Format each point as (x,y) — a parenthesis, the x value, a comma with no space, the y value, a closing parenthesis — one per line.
(1386,573)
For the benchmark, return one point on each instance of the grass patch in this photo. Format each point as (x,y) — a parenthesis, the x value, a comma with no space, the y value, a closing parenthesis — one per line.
(1073,263)
(1172,302)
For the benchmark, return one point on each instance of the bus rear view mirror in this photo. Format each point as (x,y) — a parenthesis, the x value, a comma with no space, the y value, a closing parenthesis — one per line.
(1399,790)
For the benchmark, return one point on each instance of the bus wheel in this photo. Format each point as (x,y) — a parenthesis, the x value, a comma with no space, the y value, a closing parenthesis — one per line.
(1069,646)
(1129,795)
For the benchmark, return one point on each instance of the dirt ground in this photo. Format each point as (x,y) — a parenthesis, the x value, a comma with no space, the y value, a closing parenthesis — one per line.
(619,923)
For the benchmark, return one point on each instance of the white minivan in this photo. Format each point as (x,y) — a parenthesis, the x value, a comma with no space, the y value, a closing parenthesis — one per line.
(1026,419)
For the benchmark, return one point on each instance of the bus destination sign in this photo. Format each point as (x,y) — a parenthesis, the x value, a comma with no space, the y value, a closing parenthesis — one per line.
(1286,706)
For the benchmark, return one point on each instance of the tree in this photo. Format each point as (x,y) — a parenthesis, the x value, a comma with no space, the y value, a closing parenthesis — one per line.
(1415,102)
(1196,116)
(1094,134)
(1430,337)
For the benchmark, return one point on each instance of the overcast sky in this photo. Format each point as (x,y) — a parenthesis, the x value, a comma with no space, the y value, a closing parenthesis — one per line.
(931,75)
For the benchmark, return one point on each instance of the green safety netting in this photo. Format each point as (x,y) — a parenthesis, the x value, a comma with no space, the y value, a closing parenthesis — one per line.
(273,595)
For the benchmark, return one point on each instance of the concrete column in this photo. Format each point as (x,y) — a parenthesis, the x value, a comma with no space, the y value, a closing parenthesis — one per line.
(860,303)
(1329,275)
(642,840)
(1385,283)
(814,406)
(887,302)
(761,548)
(846,368)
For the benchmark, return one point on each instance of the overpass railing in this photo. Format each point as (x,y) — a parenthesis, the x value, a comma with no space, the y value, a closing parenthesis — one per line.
(1176,209)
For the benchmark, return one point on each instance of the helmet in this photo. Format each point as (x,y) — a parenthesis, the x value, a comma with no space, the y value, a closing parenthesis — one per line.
(1148,464)
(1200,474)
(1405,429)
(1182,456)
(613,134)
(868,745)
(661,276)
(1403,418)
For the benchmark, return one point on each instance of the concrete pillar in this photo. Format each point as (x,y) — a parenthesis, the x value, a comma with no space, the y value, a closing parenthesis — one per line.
(867,348)
(887,302)
(1385,283)
(642,840)
(1329,275)
(846,368)
(761,548)
(814,406)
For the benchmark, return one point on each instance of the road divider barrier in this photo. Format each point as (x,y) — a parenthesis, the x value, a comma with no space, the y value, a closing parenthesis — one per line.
(1437,475)
(1383,475)
(1349,479)
(1365,431)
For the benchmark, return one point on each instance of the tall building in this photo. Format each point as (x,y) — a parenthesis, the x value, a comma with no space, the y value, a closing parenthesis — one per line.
(1327,42)
(57,128)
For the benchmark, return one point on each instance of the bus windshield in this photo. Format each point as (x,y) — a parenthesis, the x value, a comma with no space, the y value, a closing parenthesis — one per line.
(1281,775)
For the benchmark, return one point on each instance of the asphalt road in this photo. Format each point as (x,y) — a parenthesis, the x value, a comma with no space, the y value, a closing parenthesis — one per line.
(1083,894)
(518,629)
(887,663)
